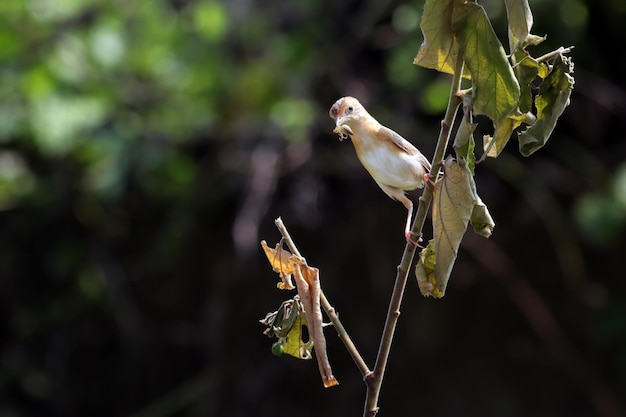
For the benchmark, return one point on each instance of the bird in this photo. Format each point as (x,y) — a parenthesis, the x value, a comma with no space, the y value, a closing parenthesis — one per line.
(393,162)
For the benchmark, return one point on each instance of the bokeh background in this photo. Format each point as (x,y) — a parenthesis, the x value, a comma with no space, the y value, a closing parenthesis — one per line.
(146,147)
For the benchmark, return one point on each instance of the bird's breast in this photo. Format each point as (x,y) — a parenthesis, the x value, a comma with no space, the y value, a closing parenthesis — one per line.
(388,164)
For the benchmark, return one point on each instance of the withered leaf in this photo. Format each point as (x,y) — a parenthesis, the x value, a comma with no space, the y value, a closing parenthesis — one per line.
(308,284)
(279,259)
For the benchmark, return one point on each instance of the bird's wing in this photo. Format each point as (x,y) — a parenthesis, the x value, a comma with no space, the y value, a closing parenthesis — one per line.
(387,134)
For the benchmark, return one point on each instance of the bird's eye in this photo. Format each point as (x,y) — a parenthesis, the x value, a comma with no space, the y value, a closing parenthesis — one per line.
(349,110)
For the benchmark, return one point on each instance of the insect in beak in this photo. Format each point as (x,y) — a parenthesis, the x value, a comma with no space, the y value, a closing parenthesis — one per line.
(343,131)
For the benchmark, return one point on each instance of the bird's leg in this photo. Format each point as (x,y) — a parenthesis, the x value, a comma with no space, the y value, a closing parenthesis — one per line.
(408,234)
(428,181)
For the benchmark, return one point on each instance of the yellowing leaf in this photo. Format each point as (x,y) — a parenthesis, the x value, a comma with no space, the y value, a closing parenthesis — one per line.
(425,272)
(526,70)
(494,88)
(286,324)
(520,21)
(552,100)
(464,141)
(481,219)
(455,202)
(293,344)
(279,259)
(494,145)
(439,50)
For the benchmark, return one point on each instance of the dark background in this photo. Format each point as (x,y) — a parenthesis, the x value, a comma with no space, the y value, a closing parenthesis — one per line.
(146,147)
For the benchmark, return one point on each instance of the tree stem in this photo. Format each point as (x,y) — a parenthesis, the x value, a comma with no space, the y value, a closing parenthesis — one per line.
(374,381)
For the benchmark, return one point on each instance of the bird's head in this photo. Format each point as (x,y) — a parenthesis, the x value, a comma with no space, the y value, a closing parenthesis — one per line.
(347,113)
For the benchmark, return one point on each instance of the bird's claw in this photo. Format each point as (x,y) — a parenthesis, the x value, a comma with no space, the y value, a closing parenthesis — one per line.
(413,242)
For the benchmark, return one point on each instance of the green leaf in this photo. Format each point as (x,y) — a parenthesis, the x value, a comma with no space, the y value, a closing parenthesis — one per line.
(495,90)
(425,272)
(464,141)
(552,100)
(481,219)
(439,50)
(494,145)
(520,22)
(526,70)
(286,324)
(453,202)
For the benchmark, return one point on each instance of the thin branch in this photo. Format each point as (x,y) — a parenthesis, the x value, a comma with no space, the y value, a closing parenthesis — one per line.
(328,308)
(374,381)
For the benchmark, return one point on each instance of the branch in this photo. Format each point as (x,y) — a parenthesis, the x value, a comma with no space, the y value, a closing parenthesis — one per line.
(374,380)
(330,311)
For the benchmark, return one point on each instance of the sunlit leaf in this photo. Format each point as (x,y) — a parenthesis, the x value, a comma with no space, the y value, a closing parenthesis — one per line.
(552,100)
(287,325)
(520,21)
(494,88)
(439,50)
(293,344)
(279,259)
(503,131)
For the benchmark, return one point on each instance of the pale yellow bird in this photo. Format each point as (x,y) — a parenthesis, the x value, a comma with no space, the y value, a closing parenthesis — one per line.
(394,163)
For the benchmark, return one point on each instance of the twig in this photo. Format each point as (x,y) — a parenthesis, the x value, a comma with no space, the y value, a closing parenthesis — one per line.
(330,311)
(561,50)
(374,381)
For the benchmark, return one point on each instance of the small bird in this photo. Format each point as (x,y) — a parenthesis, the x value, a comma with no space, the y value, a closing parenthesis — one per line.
(394,163)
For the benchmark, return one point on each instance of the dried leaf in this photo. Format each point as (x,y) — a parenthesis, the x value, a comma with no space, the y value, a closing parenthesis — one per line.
(464,141)
(279,259)
(286,324)
(526,70)
(293,343)
(481,219)
(493,146)
(552,100)
(308,284)
(455,203)
(425,272)
(520,22)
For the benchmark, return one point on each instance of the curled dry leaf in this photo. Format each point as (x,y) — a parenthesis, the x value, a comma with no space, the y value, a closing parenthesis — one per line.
(286,325)
(308,284)
(455,203)
(309,292)
(481,219)
(425,272)
(279,259)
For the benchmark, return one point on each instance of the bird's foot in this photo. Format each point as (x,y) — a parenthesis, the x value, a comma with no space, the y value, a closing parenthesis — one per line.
(429,181)
(411,241)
